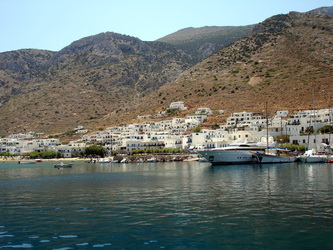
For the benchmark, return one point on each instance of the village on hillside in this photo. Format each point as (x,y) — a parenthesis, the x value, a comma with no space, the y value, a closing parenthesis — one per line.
(305,127)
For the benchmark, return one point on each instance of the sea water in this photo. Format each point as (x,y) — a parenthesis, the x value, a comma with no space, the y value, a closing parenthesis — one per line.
(174,205)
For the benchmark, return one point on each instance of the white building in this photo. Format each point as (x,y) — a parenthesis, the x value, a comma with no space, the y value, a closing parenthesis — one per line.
(178,105)
(239,119)
(21,146)
(196,117)
(204,111)
(302,128)
(282,113)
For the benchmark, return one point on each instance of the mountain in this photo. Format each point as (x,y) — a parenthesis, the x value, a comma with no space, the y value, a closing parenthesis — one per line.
(324,11)
(109,78)
(279,63)
(202,42)
(18,67)
(83,82)
(91,78)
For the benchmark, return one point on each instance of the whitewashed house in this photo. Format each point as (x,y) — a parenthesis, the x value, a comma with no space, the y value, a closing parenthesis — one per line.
(299,124)
(282,113)
(240,119)
(199,117)
(204,111)
(178,105)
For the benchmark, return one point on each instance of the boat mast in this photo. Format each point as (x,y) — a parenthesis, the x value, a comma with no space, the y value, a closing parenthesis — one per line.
(266,127)
(314,118)
(310,124)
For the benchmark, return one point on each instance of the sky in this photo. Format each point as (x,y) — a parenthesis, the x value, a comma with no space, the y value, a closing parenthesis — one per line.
(54,24)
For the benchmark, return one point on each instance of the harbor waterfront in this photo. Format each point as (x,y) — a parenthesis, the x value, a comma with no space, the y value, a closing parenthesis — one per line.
(166,205)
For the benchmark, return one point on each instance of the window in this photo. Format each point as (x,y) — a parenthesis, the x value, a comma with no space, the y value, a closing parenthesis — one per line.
(325,140)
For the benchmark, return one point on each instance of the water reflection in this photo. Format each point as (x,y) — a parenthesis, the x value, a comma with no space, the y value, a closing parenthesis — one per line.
(173,205)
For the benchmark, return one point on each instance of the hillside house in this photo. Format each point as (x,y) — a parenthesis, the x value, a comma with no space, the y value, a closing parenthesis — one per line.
(196,117)
(204,111)
(282,113)
(178,105)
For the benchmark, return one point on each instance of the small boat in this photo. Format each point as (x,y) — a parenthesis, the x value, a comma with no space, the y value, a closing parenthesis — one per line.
(63,165)
(124,160)
(152,159)
(26,162)
(104,160)
(140,160)
(191,159)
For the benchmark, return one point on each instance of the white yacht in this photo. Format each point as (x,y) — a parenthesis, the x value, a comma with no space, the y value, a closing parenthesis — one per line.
(240,153)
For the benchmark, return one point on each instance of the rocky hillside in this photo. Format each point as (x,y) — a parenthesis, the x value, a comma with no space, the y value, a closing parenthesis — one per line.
(83,82)
(279,63)
(19,67)
(324,11)
(87,80)
(203,42)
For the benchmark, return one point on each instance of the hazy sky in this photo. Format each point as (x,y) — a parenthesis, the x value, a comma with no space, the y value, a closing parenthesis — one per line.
(54,24)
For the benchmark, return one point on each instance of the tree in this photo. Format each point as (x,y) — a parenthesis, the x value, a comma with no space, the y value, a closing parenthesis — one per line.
(172,112)
(197,130)
(294,147)
(309,130)
(95,150)
(43,154)
(327,129)
(215,126)
(283,138)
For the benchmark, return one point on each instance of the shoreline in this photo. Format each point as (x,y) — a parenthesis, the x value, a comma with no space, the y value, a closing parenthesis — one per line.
(3,159)
(130,158)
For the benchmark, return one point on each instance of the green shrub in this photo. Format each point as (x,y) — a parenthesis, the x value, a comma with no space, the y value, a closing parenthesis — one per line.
(95,150)
(43,154)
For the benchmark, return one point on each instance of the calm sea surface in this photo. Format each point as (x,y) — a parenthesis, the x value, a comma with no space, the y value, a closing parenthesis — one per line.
(177,205)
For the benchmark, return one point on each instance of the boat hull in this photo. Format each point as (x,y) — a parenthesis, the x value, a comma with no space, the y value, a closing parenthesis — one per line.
(104,161)
(310,156)
(267,158)
(26,162)
(63,165)
(226,157)
(313,159)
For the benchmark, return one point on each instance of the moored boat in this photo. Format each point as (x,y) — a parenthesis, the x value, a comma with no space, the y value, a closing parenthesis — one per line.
(274,155)
(310,156)
(233,154)
(152,159)
(26,162)
(104,160)
(63,165)
(330,161)
(124,160)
